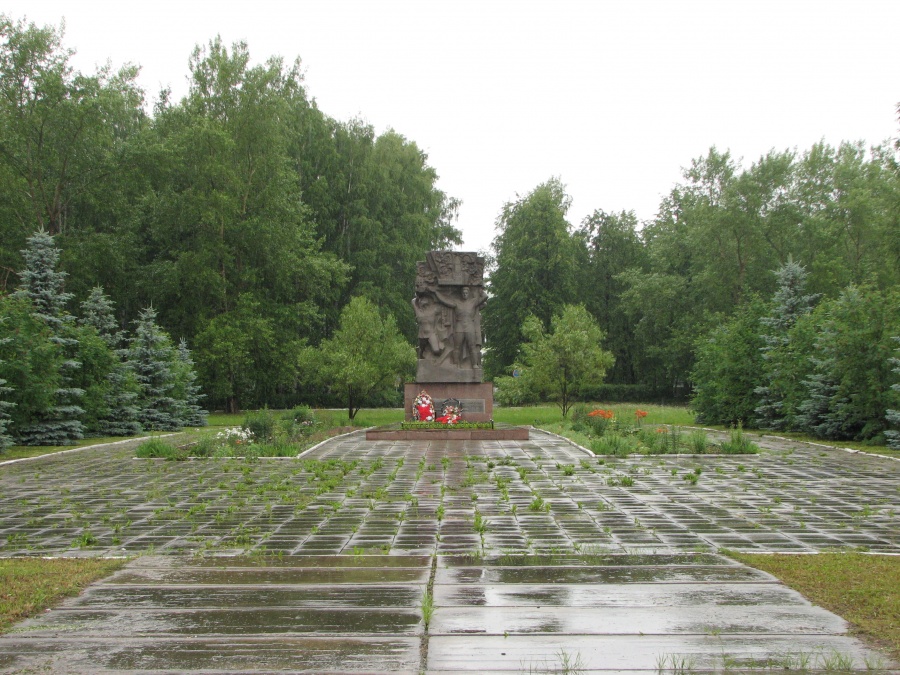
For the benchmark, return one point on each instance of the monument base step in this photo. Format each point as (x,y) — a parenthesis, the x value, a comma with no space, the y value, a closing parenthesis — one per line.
(495,434)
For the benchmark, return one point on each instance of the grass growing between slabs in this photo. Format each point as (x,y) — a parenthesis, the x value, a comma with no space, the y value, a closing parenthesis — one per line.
(863,589)
(29,586)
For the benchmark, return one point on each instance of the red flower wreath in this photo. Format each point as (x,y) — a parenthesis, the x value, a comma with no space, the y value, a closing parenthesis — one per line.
(423,408)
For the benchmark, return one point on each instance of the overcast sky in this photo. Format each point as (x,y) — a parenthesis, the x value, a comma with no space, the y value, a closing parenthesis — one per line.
(612,97)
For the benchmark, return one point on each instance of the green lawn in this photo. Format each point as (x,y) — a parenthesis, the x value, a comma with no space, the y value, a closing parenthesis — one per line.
(540,415)
(22,451)
(28,586)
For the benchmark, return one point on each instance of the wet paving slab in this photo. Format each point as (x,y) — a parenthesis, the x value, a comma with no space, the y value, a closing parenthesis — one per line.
(526,556)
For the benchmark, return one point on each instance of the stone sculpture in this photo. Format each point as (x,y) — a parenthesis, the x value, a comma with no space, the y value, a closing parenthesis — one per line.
(449,297)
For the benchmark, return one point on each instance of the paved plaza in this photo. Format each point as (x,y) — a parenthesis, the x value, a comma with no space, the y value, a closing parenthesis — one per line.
(525,556)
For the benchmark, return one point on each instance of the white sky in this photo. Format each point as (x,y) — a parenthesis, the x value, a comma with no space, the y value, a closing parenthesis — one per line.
(613,97)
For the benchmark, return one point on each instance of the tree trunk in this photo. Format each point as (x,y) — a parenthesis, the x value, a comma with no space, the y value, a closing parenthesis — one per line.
(231,406)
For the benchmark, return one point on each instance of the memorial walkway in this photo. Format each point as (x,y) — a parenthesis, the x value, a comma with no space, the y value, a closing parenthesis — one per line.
(507,556)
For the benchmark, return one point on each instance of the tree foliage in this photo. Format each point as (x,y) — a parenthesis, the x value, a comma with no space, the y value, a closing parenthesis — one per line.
(779,395)
(534,270)
(565,361)
(848,390)
(729,369)
(366,354)
(59,423)
(249,218)
(152,357)
(892,415)
(5,404)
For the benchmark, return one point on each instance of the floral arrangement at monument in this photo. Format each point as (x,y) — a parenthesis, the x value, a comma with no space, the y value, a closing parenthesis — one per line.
(423,408)
(423,411)
(450,414)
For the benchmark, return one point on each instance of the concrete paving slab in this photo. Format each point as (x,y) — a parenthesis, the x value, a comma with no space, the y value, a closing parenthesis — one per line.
(698,618)
(271,576)
(226,655)
(641,653)
(614,595)
(600,575)
(223,620)
(191,597)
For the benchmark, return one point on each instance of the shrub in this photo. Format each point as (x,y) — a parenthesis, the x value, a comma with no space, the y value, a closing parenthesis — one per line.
(614,444)
(261,424)
(652,440)
(156,448)
(698,443)
(205,447)
(297,423)
(739,444)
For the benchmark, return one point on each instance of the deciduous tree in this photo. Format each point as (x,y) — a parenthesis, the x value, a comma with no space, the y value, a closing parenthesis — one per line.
(366,354)
(564,361)
(728,369)
(534,270)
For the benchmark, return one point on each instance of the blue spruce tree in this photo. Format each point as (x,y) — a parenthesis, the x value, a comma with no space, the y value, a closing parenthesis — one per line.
(97,311)
(42,286)
(893,416)
(121,418)
(5,406)
(789,304)
(151,357)
(187,391)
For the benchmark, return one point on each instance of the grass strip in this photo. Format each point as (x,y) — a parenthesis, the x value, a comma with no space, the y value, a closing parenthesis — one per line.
(29,586)
(863,589)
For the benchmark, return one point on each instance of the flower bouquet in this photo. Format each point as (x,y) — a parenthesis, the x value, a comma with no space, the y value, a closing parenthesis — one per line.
(450,414)
(423,408)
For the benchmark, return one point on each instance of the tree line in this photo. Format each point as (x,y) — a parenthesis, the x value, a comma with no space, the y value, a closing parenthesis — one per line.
(696,304)
(63,377)
(243,214)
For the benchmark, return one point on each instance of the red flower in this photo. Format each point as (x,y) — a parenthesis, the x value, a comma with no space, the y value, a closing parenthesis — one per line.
(605,414)
(640,414)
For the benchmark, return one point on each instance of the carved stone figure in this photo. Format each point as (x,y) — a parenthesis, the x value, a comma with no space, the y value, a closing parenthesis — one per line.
(427,311)
(449,297)
(466,325)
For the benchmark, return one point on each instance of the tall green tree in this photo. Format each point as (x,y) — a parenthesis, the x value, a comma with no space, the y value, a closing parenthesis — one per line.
(565,361)
(848,392)
(151,356)
(365,355)
(780,394)
(892,415)
(187,391)
(5,404)
(244,359)
(111,388)
(97,311)
(728,368)
(610,245)
(376,205)
(534,271)
(63,133)
(31,364)
(42,286)
(224,217)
